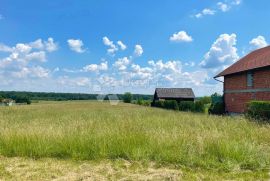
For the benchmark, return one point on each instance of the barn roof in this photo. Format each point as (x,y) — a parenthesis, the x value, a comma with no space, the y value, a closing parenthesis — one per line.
(256,59)
(174,93)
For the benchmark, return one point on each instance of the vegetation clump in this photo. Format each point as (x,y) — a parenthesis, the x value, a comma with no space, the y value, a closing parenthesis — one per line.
(127,97)
(259,110)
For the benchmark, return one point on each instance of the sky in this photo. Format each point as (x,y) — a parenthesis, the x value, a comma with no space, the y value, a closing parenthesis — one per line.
(119,46)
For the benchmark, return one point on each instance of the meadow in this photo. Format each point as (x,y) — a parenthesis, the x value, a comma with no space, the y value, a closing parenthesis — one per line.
(82,131)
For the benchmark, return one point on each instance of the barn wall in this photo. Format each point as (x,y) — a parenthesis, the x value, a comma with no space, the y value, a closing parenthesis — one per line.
(237,94)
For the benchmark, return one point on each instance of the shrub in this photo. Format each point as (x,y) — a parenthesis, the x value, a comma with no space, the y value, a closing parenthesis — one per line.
(146,103)
(168,104)
(186,106)
(22,99)
(172,104)
(217,108)
(259,110)
(127,97)
(205,100)
(142,102)
(159,104)
(198,106)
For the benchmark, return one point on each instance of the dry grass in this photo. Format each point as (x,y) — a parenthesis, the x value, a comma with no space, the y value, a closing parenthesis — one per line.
(61,170)
(97,131)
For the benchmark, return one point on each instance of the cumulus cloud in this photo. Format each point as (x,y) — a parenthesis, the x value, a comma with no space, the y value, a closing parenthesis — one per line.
(103,66)
(24,59)
(122,45)
(181,36)
(122,63)
(33,72)
(204,12)
(258,42)
(222,6)
(138,51)
(51,45)
(5,48)
(222,52)
(40,56)
(74,82)
(76,45)
(113,48)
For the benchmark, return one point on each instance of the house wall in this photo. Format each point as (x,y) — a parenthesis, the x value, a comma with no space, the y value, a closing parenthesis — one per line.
(237,94)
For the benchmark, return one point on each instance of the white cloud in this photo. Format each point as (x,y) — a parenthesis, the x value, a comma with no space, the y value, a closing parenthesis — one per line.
(122,45)
(5,48)
(74,82)
(112,47)
(122,63)
(38,44)
(33,72)
(51,45)
(103,66)
(258,42)
(24,59)
(181,36)
(76,45)
(207,11)
(222,53)
(236,2)
(223,6)
(204,12)
(40,56)
(138,50)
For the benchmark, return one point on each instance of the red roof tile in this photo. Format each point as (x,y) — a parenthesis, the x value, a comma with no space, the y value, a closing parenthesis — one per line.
(256,59)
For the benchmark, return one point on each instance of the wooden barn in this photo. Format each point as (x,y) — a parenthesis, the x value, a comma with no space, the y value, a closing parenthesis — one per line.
(246,80)
(178,94)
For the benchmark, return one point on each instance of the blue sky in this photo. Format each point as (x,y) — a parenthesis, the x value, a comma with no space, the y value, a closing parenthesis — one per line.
(118,46)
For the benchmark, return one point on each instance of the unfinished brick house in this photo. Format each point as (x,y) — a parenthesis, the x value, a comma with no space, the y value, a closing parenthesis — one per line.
(247,79)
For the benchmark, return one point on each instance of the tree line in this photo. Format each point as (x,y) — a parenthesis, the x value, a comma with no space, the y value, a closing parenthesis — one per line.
(27,97)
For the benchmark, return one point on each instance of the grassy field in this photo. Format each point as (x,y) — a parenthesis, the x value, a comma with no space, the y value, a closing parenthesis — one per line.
(191,145)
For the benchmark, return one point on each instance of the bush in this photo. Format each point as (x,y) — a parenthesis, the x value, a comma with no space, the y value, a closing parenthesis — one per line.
(198,106)
(159,104)
(186,106)
(191,106)
(142,102)
(171,105)
(22,99)
(127,97)
(205,100)
(259,110)
(217,108)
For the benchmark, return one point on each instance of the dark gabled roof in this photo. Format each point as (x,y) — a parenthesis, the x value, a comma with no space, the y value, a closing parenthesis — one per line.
(256,59)
(174,93)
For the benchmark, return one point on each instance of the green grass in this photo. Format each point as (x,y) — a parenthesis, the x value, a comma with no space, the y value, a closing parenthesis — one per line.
(99,131)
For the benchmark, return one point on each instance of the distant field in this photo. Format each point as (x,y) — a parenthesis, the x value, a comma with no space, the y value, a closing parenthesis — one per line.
(94,131)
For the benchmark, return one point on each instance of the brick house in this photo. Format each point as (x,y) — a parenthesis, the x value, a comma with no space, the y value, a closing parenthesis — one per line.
(247,79)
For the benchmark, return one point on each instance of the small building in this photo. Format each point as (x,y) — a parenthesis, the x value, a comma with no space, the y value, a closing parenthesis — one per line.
(246,80)
(7,102)
(178,94)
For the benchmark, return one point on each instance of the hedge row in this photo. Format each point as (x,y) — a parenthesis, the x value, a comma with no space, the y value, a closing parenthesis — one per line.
(142,102)
(196,106)
(259,110)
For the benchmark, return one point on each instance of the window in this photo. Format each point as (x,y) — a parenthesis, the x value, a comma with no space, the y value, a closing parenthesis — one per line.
(249,79)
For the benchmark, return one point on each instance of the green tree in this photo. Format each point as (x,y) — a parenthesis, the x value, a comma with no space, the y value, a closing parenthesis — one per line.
(127,98)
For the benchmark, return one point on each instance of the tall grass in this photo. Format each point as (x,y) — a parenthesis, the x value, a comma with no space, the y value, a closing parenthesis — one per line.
(93,131)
